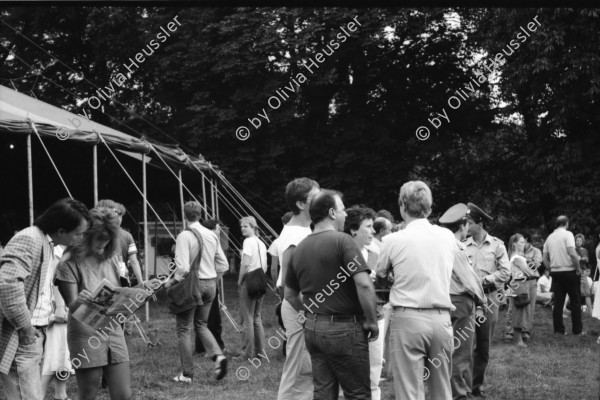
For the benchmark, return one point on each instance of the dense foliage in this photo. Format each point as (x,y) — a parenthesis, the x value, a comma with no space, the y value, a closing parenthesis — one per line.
(522,145)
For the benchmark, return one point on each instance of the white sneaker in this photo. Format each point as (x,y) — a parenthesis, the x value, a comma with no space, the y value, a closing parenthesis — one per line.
(181,378)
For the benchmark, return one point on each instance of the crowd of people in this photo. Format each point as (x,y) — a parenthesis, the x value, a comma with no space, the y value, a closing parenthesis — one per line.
(358,292)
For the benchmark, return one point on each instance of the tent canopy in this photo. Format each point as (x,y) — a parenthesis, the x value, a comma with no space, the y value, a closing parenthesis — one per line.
(17,110)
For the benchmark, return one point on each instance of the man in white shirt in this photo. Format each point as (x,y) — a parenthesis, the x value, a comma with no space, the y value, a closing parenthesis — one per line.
(562,259)
(422,257)
(296,377)
(212,266)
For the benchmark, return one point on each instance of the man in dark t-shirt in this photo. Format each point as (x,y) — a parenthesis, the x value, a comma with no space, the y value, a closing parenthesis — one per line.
(338,299)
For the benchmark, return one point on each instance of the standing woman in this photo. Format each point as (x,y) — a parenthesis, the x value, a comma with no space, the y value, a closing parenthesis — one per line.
(85,264)
(524,280)
(359,225)
(254,256)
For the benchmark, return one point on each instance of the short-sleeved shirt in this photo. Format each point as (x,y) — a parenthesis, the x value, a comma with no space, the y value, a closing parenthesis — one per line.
(489,260)
(422,257)
(272,250)
(321,268)
(84,341)
(257,251)
(556,246)
(127,245)
(291,235)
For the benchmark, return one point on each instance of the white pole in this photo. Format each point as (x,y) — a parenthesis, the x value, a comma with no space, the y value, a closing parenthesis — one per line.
(204,197)
(30,178)
(95,153)
(146,242)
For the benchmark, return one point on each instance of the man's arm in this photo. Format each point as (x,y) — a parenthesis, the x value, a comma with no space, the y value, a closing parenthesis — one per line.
(221,263)
(466,274)
(368,301)
(546,259)
(243,268)
(182,260)
(537,258)
(17,263)
(285,262)
(135,265)
(274,267)
(502,273)
(383,261)
(293,297)
(574,259)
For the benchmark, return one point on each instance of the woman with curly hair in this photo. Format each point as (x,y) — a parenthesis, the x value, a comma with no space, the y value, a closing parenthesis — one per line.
(359,225)
(83,266)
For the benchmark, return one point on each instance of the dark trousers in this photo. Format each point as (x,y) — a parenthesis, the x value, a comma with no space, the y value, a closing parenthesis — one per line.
(214,324)
(564,283)
(463,326)
(339,352)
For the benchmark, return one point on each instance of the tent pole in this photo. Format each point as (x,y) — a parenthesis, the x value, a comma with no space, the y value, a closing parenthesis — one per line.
(146,242)
(181,201)
(95,153)
(30,179)
(212,197)
(204,197)
(216,198)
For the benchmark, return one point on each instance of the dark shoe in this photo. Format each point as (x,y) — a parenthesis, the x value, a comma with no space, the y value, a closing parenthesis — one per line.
(220,367)
(479,393)
(582,333)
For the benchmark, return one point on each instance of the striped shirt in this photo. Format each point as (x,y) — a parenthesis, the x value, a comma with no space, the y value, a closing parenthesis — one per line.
(422,256)
(43,308)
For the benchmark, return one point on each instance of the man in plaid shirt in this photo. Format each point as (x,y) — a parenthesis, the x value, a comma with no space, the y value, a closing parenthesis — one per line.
(26,273)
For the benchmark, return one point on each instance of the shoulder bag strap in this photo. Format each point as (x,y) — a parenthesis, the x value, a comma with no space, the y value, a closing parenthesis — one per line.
(526,271)
(259,257)
(196,264)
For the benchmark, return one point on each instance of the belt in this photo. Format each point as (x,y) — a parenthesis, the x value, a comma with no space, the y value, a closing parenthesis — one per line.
(440,310)
(469,295)
(41,328)
(533,278)
(336,318)
(489,290)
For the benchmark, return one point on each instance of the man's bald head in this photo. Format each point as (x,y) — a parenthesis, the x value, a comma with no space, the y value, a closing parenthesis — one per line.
(382,227)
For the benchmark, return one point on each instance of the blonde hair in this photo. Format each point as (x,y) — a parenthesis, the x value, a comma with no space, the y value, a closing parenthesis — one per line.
(250,221)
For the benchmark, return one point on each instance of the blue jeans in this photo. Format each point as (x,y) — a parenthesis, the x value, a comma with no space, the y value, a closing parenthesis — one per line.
(197,317)
(339,352)
(23,381)
(254,333)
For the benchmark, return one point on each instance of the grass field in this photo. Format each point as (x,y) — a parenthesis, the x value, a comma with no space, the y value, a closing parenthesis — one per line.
(551,368)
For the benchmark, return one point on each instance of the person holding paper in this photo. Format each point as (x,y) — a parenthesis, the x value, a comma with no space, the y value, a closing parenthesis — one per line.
(95,352)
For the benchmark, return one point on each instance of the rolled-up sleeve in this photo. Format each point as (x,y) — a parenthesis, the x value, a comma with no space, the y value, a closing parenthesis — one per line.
(384,262)
(182,255)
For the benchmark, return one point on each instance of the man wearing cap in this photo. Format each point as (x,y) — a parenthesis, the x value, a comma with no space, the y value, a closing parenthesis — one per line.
(465,292)
(490,261)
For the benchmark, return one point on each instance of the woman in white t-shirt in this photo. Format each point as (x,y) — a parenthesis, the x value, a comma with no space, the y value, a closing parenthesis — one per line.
(522,278)
(254,256)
